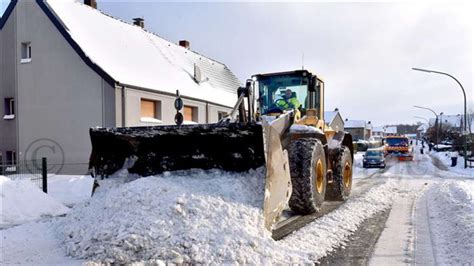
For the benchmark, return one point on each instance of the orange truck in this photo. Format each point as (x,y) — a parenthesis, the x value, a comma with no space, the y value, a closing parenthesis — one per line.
(398,146)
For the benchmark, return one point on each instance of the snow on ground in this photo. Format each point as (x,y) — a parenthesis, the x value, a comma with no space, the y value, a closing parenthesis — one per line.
(202,217)
(451,217)
(70,189)
(395,244)
(432,221)
(216,217)
(34,243)
(22,201)
(445,158)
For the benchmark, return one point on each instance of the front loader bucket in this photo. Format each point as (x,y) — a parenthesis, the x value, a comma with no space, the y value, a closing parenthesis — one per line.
(230,147)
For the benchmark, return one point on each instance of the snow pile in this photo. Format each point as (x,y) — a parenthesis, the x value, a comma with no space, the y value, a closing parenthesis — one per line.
(70,189)
(451,209)
(203,217)
(445,158)
(22,201)
(194,216)
(304,129)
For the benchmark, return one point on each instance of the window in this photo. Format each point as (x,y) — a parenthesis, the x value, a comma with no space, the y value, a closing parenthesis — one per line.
(26,52)
(190,113)
(150,111)
(9,109)
(11,157)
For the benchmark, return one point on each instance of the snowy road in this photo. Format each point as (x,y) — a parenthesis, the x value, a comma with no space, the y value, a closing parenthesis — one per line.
(431,220)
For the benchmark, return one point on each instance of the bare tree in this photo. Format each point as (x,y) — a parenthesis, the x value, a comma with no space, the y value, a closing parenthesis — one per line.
(470,120)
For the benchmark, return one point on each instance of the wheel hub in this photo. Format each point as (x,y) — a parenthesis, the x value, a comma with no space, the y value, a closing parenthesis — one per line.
(319,176)
(347,174)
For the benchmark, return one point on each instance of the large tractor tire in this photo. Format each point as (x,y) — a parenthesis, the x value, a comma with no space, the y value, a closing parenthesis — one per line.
(340,188)
(308,175)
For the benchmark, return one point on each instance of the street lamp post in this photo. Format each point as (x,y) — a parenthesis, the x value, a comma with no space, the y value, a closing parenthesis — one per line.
(465,106)
(440,128)
(424,118)
(436,121)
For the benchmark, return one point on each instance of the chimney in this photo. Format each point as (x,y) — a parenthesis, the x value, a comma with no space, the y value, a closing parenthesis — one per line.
(91,3)
(139,22)
(336,110)
(185,44)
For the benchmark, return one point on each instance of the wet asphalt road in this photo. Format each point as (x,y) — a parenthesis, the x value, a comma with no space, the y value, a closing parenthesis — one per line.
(361,244)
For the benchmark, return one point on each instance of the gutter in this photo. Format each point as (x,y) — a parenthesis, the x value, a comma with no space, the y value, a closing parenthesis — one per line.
(171,94)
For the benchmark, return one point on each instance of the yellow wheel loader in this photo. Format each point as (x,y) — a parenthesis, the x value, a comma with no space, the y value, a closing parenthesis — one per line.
(282,129)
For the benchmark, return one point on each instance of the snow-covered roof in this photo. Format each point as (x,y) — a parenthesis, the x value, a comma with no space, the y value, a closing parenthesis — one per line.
(134,56)
(329,116)
(378,129)
(354,124)
(391,130)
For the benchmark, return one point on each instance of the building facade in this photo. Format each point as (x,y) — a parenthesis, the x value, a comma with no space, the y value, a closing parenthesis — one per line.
(334,120)
(359,129)
(67,67)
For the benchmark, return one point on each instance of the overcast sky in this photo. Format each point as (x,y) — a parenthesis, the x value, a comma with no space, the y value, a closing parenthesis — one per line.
(364,51)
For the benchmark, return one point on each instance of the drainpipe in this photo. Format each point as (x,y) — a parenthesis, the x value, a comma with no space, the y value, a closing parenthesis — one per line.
(207,113)
(123,106)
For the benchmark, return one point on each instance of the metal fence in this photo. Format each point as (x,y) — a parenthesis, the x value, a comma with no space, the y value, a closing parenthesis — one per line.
(34,170)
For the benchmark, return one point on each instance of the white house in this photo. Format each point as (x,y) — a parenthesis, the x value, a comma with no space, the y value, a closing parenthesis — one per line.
(359,129)
(334,120)
(66,66)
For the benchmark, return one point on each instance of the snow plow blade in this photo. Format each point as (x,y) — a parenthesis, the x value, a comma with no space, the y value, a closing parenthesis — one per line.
(231,147)
(153,150)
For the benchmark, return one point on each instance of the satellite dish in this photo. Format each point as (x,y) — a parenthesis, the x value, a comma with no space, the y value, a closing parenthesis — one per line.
(197,74)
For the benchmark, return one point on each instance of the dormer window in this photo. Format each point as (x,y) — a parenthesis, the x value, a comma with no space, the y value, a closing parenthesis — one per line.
(25,52)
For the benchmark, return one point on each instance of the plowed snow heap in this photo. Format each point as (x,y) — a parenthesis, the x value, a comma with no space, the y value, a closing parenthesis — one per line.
(191,216)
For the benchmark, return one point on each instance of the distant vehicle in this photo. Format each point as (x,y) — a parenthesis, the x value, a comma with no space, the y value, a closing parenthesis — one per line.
(374,158)
(362,145)
(398,146)
(442,147)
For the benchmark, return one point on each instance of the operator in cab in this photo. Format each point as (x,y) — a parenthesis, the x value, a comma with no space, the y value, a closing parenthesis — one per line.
(288,100)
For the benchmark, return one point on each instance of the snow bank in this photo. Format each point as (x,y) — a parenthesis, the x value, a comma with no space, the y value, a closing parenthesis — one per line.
(70,189)
(445,158)
(194,216)
(451,214)
(22,201)
(202,217)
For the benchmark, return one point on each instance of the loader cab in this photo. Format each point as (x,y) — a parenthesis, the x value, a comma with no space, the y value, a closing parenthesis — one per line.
(274,92)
